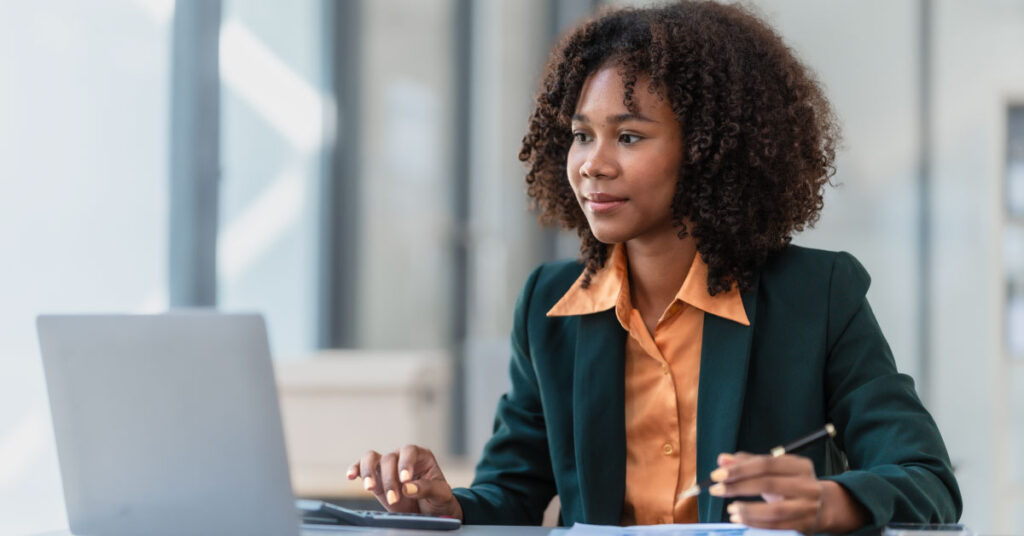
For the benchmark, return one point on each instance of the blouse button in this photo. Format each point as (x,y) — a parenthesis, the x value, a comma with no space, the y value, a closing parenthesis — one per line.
(668,449)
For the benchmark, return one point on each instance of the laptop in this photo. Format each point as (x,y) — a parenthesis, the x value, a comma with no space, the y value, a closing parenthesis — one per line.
(167,424)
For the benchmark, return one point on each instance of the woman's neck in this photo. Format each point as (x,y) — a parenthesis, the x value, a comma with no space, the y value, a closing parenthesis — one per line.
(656,271)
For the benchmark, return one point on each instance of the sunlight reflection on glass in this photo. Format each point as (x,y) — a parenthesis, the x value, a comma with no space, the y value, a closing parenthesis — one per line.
(247,237)
(288,102)
(160,10)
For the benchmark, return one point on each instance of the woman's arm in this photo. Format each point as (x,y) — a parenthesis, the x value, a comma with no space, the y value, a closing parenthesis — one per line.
(514,481)
(899,467)
(900,470)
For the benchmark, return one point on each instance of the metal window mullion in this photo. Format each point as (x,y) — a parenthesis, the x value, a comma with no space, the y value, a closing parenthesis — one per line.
(460,242)
(340,215)
(194,154)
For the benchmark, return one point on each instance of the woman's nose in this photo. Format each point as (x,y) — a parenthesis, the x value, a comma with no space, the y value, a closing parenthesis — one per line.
(597,166)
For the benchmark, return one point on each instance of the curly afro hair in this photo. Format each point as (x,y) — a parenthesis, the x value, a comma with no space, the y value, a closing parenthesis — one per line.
(759,135)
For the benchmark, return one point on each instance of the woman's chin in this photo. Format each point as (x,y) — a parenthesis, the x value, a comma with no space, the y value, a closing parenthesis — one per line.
(609,236)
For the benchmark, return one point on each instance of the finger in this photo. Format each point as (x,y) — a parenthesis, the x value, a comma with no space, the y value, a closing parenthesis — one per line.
(756,466)
(435,493)
(799,512)
(353,471)
(784,486)
(378,488)
(425,489)
(407,458)
(389,478)
(726,459)
(368,467)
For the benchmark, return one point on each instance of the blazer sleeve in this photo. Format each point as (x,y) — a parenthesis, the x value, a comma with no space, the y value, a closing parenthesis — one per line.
(899,468)
(514,481)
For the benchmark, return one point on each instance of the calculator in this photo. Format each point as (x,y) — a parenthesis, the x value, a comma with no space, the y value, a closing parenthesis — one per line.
(324,513)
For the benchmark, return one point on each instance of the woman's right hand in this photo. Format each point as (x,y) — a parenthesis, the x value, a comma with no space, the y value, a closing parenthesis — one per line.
(407,480)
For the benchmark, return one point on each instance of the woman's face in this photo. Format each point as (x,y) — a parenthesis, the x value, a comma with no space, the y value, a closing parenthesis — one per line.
(623,166)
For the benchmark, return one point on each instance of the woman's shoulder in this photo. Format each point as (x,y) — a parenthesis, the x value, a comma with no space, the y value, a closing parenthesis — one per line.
(802,267)
(551,280)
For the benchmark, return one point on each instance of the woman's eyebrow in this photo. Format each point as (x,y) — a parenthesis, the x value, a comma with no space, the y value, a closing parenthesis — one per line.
(616,119)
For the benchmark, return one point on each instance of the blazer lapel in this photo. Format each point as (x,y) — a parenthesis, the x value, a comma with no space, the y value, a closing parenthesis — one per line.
(725,354)
(599,418)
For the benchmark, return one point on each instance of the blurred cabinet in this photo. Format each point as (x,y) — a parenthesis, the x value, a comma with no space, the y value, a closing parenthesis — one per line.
(338,404)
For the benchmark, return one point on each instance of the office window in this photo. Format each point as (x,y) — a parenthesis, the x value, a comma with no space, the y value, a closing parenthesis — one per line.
(273,103)
(83,204)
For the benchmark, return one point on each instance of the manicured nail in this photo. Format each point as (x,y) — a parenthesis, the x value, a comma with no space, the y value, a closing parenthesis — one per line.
(717,490)
(732,508)
(351,474)
(368,483)
(724,457)
(719,475)
(411,489)
(735,518)
(392,496)
(405,476)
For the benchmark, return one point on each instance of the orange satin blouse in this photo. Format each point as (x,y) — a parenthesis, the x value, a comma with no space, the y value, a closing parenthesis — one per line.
(661,379)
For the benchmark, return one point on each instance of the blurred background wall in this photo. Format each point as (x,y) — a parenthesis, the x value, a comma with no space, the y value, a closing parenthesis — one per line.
(349,169)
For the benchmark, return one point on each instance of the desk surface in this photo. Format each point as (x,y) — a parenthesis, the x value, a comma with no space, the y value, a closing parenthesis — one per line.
(467,530)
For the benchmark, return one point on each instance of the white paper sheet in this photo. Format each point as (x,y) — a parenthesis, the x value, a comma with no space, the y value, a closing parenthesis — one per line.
(695,529)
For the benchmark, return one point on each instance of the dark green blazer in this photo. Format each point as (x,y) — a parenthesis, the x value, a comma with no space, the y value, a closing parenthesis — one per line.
(813,353)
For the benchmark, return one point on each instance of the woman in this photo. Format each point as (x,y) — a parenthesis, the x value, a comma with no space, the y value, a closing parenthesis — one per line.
(685,144)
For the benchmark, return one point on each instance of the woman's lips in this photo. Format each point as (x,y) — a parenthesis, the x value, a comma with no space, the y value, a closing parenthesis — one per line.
(604,203)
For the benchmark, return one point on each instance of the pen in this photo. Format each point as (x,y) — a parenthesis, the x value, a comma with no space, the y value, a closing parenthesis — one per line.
(797,444)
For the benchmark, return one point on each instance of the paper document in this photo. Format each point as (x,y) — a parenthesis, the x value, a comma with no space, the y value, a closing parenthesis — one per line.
(695,529)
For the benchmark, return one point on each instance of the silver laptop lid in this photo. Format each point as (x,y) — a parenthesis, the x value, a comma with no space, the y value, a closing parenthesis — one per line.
(167,424)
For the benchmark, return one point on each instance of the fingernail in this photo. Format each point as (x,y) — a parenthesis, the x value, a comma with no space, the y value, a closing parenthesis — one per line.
(351,474)
(411,489)
(404,476)
(719,475)
(724,457)
(717,490)
(392,496)
(367,483)
(735,518)
(731,508)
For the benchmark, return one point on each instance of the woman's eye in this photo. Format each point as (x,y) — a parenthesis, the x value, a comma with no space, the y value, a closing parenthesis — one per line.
(629,139)
(579,136)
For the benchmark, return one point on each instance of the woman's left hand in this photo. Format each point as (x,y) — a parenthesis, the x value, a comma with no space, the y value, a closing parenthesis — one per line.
(794,497)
